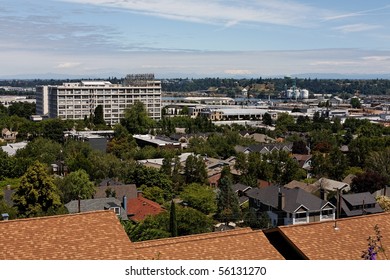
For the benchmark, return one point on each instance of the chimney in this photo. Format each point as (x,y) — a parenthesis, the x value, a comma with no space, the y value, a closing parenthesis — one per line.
(281,200)
(79,205)
(139,193)
(125,203)
(323,194)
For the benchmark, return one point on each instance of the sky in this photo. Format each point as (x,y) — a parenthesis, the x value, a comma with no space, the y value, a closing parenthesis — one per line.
(194,38)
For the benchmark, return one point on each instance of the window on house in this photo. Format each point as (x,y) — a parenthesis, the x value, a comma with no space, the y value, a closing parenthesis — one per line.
(117,210)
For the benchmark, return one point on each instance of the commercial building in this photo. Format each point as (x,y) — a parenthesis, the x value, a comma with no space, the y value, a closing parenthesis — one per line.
(79,100)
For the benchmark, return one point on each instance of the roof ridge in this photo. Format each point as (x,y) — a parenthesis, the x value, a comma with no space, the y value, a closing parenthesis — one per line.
(56,216)
(192,237)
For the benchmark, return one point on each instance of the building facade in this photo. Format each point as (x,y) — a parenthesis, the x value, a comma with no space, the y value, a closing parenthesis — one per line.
(79,100)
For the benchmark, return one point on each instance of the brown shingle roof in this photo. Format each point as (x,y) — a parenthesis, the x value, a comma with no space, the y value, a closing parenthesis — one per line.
(84,236)
(321,241)
(238,244)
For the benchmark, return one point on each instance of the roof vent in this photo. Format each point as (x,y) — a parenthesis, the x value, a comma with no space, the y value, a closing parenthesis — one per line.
(5,216)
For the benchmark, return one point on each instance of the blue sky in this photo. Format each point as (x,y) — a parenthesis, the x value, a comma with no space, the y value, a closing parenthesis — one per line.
(194,38)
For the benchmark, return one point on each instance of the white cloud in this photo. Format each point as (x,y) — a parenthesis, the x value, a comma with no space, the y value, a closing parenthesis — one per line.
(356,14)
(68,65)
(376,58)
(225,13)
(333,63)
(238,72)
(359,27)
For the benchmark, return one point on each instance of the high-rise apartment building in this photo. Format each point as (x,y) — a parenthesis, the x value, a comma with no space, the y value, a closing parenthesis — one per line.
(79,100)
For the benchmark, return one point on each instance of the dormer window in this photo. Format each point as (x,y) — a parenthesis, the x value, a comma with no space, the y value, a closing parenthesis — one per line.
(117,210)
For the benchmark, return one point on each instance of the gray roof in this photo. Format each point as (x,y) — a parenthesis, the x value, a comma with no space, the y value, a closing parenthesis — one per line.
(352,204)
(87,205)
(270,147)
(294,198)
(130,191)
(240,187)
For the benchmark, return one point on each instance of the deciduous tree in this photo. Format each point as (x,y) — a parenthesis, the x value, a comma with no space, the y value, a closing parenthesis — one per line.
(37,194)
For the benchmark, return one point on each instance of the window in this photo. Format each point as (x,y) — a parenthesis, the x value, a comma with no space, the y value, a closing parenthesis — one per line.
(117,210)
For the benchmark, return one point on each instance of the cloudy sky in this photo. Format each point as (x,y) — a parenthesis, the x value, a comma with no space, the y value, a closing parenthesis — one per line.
(194,38)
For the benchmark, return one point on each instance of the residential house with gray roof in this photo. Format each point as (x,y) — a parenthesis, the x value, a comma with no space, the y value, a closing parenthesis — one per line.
(240,190)
(96,204)
(286,206)
(356,204)
(264,148)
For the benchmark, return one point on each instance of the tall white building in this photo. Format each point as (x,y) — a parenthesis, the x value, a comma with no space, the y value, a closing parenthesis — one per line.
(77,100)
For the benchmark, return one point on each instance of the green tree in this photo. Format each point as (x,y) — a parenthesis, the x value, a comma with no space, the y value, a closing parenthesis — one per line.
(172,219)
(285,122)
(355,102)
(189,221)
(256,220)
(379,161)
(22,109)
(76,185)
(228,208)
(154,193)
(98,116)
(54,129)
(199,197)
(195,170)
(37,194)
(267,119)
(44,150)
(136,119)
(369,181)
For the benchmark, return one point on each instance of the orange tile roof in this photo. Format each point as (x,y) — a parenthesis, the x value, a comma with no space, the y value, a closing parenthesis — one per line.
(139,208)
(238,244)
(83,236)
(321,241)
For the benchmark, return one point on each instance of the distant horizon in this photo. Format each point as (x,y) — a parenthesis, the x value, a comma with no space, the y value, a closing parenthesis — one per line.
(325,76)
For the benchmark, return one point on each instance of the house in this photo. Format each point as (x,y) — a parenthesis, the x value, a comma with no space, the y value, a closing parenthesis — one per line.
(95,204)
(214,168)
(160,142)
(290,206)
(356,204)
(139,208)
(332,185)
(240,190)
(83,236)
(264,148)
(11,148)
(348,179)
(304,161)
(343,239)
(8,135)
(158,162)
(236,244)
(302,185)
(113,188)
(262,138)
